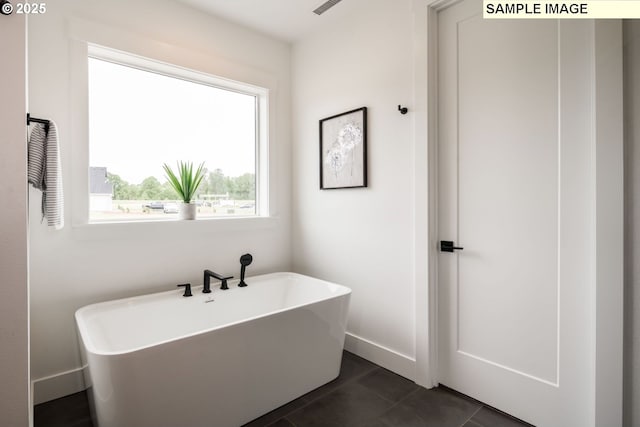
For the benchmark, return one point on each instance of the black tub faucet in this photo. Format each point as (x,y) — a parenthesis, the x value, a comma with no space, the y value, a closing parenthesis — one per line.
(245,260)
(187,289)
(207,282)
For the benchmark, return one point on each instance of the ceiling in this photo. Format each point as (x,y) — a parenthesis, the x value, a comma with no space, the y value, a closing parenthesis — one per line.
(287,20)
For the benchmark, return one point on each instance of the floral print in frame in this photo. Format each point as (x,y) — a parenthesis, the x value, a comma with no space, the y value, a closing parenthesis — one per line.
(343,150)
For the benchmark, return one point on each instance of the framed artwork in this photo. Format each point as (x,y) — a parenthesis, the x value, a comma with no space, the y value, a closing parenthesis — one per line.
(343,150)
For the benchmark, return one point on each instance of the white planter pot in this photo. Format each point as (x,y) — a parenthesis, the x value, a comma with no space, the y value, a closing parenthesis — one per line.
(187,211)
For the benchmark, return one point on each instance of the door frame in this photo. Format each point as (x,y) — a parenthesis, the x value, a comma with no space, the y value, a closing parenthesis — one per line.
(606,285)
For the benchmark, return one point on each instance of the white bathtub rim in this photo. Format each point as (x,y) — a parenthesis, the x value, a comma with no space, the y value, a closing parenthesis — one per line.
(89,347)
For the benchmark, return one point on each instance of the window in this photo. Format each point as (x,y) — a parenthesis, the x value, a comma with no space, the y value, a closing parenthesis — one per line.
(143,114)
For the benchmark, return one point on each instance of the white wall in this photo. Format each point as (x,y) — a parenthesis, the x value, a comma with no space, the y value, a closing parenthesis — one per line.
(362,238)
(77,266)
(15,408)
(632,221)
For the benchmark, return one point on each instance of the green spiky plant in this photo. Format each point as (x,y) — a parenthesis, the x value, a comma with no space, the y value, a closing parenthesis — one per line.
(186,181)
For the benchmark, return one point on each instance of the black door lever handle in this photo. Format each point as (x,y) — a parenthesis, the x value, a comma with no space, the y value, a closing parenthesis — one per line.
(447,246)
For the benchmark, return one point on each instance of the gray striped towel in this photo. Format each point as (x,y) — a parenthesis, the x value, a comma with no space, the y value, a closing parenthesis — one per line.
(45,173)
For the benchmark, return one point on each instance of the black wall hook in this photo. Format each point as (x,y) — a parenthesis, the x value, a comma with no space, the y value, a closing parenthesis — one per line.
(403,110)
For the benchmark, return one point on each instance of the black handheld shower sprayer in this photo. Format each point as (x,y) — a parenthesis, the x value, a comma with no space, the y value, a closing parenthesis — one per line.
(245,260)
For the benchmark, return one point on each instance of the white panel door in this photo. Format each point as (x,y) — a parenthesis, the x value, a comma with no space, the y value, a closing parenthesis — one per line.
(515,173)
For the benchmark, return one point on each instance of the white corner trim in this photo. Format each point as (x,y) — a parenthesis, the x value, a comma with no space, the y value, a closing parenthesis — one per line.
(609,226)
(389,359)
(425,190)
(58,385)
(426,252)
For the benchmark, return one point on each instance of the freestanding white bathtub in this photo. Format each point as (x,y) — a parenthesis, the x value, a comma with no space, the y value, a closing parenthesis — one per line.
(218,359)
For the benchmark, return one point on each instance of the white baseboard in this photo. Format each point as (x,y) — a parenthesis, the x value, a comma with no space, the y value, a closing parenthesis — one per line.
(58,385)
(380,355)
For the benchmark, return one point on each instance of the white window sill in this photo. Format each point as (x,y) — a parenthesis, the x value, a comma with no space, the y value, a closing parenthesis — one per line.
(163,229)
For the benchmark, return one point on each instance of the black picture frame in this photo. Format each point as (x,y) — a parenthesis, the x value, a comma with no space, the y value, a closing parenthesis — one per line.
(343,150)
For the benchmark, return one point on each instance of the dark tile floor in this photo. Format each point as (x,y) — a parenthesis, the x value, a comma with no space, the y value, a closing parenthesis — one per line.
(364,395)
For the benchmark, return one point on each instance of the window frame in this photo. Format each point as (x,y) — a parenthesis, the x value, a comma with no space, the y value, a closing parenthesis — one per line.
(150,55)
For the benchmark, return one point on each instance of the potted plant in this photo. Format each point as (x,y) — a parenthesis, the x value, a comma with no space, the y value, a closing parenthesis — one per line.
(185,182)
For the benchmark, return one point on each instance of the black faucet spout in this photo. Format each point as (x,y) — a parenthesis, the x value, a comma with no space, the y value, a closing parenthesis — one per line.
(207,281)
